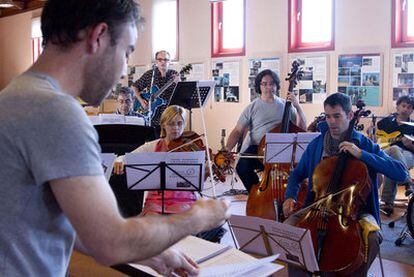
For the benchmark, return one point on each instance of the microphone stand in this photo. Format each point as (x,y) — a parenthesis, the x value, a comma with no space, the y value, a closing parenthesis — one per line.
(150,98)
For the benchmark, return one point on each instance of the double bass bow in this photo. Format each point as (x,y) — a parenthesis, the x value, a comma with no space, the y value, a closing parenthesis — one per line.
(340,185)
(265,199)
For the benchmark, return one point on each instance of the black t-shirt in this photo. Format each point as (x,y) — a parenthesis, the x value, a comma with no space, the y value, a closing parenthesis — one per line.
(145,82)
(389,125)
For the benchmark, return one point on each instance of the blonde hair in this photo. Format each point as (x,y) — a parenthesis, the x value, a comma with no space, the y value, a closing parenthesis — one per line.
(169,114)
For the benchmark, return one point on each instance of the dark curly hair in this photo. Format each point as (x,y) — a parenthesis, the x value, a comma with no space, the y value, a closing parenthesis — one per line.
(406,99)
(63,19)
(260,76)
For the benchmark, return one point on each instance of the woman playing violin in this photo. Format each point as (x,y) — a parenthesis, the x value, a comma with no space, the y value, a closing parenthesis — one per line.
(338,116)
(173,123)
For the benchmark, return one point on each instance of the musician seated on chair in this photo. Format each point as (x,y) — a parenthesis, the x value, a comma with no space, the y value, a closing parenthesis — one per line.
(160,75)
(262,115)
(124,102)
(173,122)
(400,147)
(338,116)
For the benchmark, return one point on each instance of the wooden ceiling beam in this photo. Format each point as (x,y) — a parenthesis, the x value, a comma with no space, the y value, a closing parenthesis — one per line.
(26,6)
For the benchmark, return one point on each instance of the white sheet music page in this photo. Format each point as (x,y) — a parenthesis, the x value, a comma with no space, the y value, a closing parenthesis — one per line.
(250,267)
(223,259)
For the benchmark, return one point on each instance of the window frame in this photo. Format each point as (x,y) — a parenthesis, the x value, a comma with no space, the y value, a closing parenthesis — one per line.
(177,44)
(399,21)
(217,49)
(295,43)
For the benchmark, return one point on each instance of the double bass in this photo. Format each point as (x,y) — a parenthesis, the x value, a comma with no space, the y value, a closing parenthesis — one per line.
(340,185)
(266,198)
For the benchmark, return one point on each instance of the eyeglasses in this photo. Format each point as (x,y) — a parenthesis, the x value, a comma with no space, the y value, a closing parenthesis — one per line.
(270,84)
(163,60)
(178,124)
(121,101)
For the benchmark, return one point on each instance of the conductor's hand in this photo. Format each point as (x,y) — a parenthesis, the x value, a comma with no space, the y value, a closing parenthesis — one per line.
(349,147)
(119,167)
(172,261)
(289,207)
(209,213)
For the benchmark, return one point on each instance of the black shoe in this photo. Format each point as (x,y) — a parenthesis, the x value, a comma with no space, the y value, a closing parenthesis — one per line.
(387,209)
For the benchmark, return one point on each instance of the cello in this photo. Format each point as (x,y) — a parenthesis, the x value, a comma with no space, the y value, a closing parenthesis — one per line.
(265,199)
(341,185)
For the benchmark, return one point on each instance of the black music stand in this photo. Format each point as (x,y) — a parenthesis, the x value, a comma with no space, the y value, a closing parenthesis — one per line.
(121,139)
(185,95)
(147,169)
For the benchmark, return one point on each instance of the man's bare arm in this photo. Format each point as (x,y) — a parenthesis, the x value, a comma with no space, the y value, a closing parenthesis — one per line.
(235,136)
(91,207)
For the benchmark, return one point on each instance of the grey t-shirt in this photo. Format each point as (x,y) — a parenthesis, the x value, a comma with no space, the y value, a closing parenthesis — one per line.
(44,135)
(260,117)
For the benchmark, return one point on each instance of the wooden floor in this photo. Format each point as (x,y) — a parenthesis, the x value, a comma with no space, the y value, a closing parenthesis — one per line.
(82,265)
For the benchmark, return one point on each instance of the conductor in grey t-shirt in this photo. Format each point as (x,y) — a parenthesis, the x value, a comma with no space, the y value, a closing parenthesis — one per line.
(262,115)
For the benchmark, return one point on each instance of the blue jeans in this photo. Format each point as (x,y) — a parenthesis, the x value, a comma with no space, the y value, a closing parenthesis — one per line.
(389,190)
(246,168)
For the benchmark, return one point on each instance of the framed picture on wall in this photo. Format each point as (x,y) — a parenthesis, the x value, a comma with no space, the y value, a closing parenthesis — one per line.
(359,76)
(226,74)
(257,65)
(403,75)
(312,87)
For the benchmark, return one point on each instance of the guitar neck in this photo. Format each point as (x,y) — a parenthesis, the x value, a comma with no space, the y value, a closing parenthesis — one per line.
(164,87)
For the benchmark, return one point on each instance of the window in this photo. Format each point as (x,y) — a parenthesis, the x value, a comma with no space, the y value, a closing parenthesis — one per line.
(36,39)
(165,27)
(311,25)
(402,23)
(228,28)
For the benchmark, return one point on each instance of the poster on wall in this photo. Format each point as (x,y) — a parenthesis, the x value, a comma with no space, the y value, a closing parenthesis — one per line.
(257,65)
(359,76)
(196,73)
(312,86)
(135,72)
(227,78)
(403,75)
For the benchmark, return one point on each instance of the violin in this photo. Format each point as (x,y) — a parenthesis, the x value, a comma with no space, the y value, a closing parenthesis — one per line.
(266,198)
(191,141)
(340,185)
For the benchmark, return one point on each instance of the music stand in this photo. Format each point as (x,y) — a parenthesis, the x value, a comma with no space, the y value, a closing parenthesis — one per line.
(185,95)
(160,171)
(266,237)
(286,147)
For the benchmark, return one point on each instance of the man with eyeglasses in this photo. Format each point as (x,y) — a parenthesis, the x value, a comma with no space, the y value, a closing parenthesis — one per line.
(124,102)
(262,115)
(158,76)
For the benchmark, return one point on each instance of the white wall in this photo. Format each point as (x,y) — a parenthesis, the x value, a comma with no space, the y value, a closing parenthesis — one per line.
(361,27)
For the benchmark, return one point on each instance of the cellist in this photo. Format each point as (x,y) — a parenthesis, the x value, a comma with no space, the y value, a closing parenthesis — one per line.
(338,112)
(262,115)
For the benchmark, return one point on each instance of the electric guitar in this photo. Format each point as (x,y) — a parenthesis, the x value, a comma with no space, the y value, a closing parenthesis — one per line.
(385,139)
(154,94)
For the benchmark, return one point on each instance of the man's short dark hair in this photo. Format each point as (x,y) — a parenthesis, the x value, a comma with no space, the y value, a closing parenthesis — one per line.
(126,91)
(340,99)
(260,76)
(62,20)
(406,99)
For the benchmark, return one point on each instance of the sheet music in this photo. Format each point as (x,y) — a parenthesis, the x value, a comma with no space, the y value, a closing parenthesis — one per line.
(103,119)
(279,146)
(229,263)
(143,170)
(252,267)
(108,160)
(294,244)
